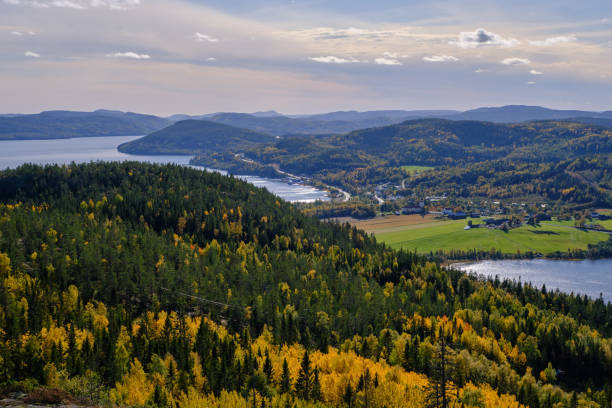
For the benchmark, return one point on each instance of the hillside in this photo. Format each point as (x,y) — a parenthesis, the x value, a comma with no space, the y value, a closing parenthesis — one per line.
(196,136)
(522,113)
(67,124)
(438,142)
(168,286)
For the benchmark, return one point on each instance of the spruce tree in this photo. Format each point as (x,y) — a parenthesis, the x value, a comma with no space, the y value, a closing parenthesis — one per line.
(285,384)
(349,396)
(303,384)
(267,367)
(440,386)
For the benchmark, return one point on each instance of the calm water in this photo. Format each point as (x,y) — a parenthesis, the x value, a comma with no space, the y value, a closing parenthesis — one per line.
(585,277)
(81,150)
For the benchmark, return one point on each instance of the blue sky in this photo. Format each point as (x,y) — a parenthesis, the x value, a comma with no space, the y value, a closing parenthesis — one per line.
(170,56)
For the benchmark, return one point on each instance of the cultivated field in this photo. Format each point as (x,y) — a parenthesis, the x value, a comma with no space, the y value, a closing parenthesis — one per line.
(426,234)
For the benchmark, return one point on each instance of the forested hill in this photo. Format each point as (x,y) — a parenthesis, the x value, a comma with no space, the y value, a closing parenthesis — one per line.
(138,284)
(67,124)
(439,142)
(196,136)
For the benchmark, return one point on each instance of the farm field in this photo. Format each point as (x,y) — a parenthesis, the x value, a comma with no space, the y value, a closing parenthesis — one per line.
(449,235)
(392,223)
(416,169)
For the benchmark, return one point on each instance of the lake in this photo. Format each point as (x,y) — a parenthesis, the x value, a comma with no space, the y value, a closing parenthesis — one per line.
(14,153)
(590,277)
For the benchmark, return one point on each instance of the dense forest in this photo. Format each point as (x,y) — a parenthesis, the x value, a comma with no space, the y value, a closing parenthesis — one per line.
(135,284)
(586,182)
(196,136)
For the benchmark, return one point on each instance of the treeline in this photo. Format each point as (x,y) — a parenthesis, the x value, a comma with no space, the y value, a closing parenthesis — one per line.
(106,270)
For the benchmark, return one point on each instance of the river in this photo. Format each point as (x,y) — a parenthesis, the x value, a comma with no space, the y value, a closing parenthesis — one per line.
(14,153)
(590,277)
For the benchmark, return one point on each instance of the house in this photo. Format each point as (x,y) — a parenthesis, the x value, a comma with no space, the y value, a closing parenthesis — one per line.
(475,215)
(459,215)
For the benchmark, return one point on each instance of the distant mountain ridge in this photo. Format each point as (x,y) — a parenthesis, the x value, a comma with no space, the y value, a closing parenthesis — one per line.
(277,124)
(66,124)
(523,113)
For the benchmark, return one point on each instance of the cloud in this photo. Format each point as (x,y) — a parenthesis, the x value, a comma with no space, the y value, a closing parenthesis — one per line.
(31,54)
(22,33)
(129,54)
(211,59)
(204,37)
(531,83)
(482,38)
(479,70)
(330,59)
(328,33)
(534,72)
(77,4)
(387,61)
(441,58)
(554,40)
(516,61)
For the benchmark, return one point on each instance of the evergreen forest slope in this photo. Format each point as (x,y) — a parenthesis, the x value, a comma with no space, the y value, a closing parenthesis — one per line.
(168,286)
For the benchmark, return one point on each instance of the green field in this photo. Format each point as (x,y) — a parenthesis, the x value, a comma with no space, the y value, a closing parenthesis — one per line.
(451,235)
(416,169)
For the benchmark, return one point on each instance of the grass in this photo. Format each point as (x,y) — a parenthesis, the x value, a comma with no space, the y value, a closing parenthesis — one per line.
(450,235)
(416,169)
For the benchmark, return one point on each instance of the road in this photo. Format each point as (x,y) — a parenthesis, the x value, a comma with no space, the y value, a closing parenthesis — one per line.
(346,195)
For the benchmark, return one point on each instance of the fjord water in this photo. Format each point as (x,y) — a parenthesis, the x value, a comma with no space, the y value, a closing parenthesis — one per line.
(14,153)
(590,277)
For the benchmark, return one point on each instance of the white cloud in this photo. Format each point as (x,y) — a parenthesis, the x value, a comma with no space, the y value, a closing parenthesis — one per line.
(330,59)
(204,37)
(31,54)
(534,72)
(22,33)
(211,59)
(77,4)
(482,38)
(516,61)
(393,55)
(387,61)
(554,40)
(328,33)
(441,58)
(129,54)
(531,83)
(479,70)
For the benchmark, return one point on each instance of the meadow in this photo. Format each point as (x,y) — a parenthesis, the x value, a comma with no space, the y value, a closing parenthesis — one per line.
(450,235)
(416,169)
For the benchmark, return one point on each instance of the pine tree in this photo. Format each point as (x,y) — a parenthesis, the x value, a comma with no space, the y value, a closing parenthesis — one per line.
(316,386)
(349,396)
(285,383)
(267,367)
(440,387)
(304,382)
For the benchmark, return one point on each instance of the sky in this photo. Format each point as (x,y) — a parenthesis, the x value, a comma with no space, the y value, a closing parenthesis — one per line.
(303,56)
